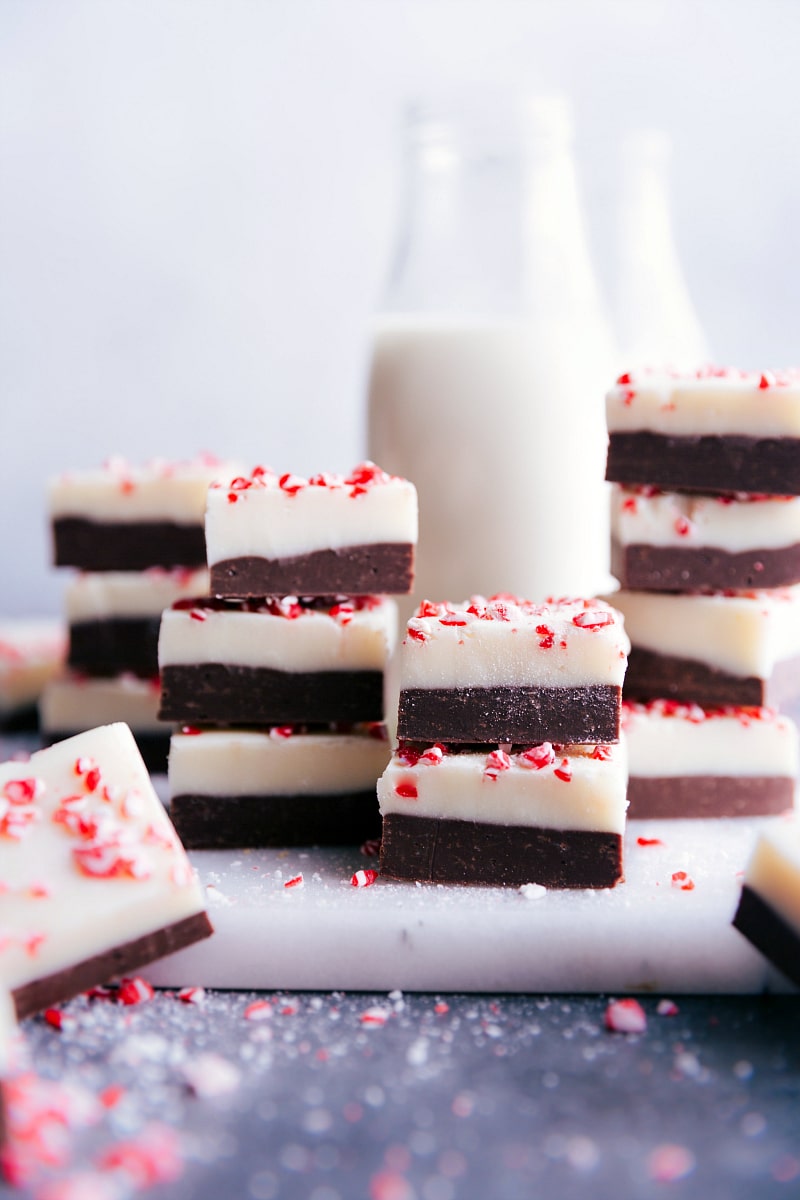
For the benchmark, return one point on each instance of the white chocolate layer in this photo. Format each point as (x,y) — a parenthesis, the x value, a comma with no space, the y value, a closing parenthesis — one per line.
(687,521)
(360,639)
(459,788)
(8,1029)
(745,634)
(156,491)
(269,521)
(77,702)
(72,892)
(773,872)
(32,652)
(727,402)
(503,641)
(96,596)
(256,763)
(666,740)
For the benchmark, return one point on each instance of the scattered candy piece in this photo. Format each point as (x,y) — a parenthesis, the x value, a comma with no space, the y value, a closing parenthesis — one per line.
(296,881)
(259,1010)
(669,1162)
(135,991)
(667,1008)
(374,1016)
(192,995)
(625,1016)
(362,879)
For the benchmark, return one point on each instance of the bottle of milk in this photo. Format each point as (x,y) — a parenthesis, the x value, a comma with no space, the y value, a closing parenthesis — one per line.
(656,320)
(491,359)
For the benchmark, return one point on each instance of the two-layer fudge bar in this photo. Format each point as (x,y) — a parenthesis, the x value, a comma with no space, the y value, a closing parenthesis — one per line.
(674,542)
(282,786)
(686,761)
(74,702)
(270,534)
(715,430)
(550,814)
(274,661)
(769,908)
(95,880)
(505,669)
(32,652)
(122,517)
(715,650)
(115,616)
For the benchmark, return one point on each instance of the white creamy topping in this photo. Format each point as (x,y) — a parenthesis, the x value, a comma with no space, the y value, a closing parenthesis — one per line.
(745,634)
(359,639)
(277,762)
(470,787)
(121,491)
(773,872)
(8,1029)
(666,740)
(508,641)
(32,652)
(728,402)
(96,596)
(640,517)
(77,702)
(267,520)
(89,858)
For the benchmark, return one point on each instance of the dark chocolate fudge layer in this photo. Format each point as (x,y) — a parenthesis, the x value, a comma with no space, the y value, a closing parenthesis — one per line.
(100,968)
(447,851)
(126,545)
(229,822)
(115,645)
(386,569)
(716,463)
(153,747)
(684,796)
(769,933)
(652,676)
(222,694)
(510,714)
(646,568)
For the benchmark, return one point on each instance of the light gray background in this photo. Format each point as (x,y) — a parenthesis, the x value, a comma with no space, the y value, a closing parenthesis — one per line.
(197,203)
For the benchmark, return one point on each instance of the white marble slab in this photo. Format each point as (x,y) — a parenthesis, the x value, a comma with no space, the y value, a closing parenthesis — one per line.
(647,935)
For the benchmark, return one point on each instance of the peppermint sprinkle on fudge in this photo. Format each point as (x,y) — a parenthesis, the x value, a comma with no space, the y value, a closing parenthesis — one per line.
(95,882)
(504,669)
(505,816)
(769,908)
(122,517)
(270,534)
(674,542)
(286,785)
(686,761)
(716,429)
(279,660)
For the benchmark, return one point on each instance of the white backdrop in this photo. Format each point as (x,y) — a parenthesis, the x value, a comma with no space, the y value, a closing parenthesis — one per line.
(197,203)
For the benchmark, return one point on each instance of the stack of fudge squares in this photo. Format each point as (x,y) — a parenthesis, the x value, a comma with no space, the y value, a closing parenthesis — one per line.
(705,524)
(136,536)
(277,676)
(508,769)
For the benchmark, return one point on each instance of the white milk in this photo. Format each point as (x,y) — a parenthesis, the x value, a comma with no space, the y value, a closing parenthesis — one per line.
(501,427)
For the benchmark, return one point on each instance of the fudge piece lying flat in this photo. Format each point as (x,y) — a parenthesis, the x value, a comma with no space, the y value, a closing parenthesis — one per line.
(285,786)
(265,662)
(673,542)
(95,882)
(686,761)
(74,703)
(552,815)
(508,670)
(738,649)
(115,616)
(32,652)
(126,518)
(717,430)
(271,535)
(769,908)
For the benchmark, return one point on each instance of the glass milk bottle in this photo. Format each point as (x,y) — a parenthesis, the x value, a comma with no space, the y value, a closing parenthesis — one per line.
(656,321)
(490,362)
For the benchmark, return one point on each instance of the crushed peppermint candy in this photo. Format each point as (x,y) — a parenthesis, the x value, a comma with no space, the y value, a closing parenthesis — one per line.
(375,1016)
(682,881)
(363,878)
(259,1010)
(625,1016)
(296,881)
